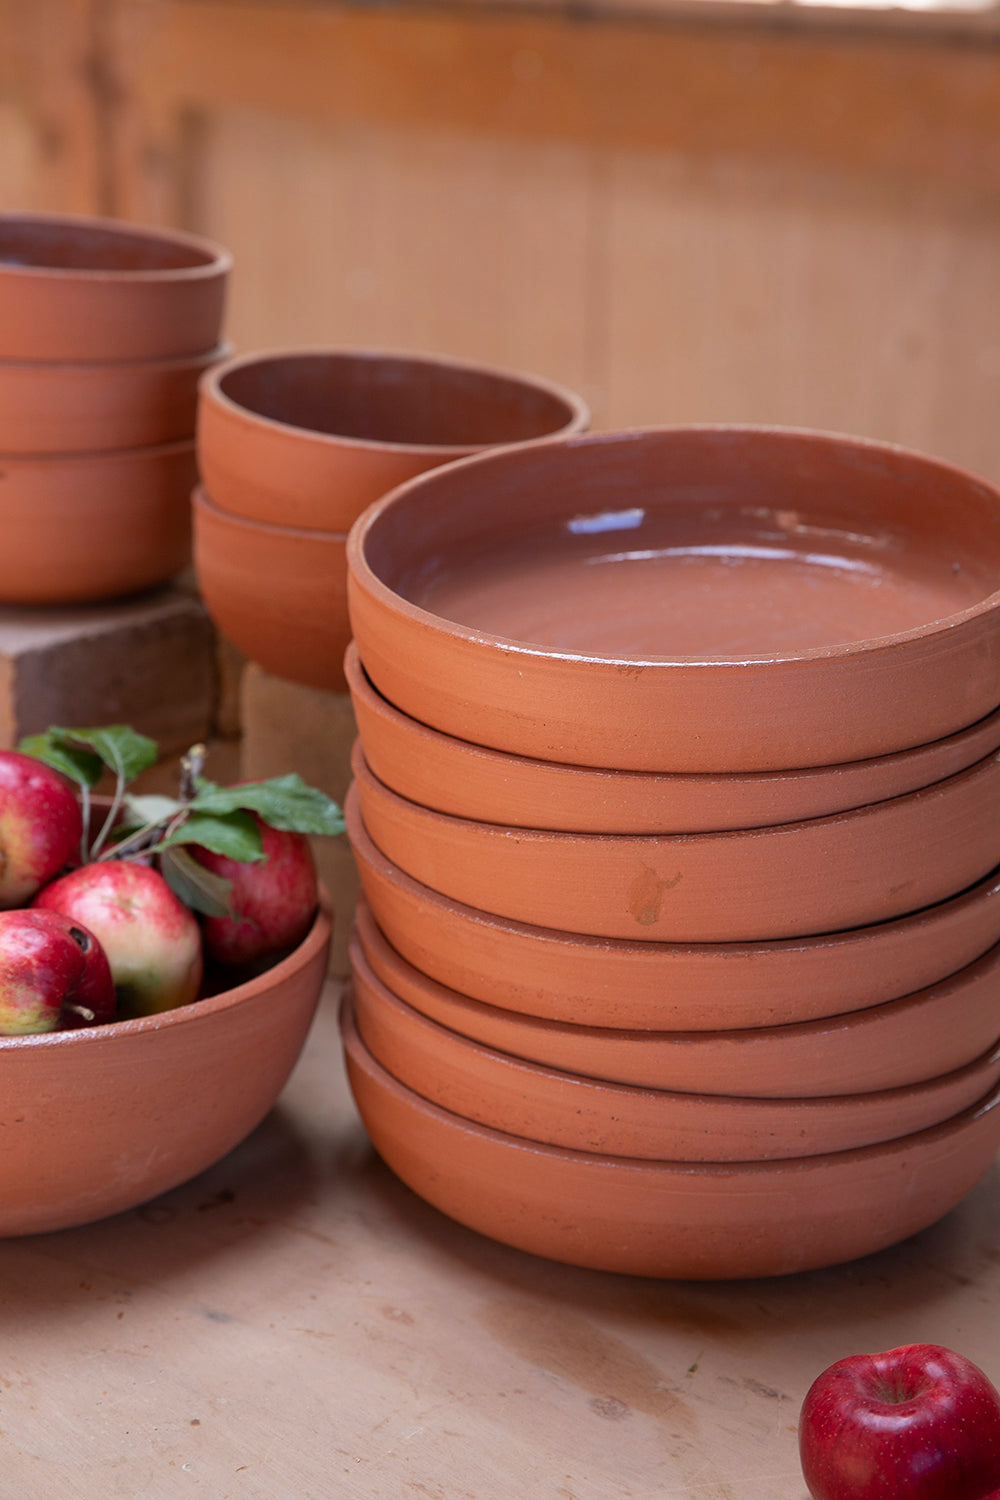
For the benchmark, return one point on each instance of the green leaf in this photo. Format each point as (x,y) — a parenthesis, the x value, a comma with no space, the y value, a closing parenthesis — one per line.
(152,808)
(81,766)
(234,834)
(285,802)
(197,887)
(120,747)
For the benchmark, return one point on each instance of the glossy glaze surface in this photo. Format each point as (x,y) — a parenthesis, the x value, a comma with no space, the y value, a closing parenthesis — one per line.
(794,879)
(655,1218)
(886,1046)
(704,599)
(146,1104)
(470,781)
(668,986)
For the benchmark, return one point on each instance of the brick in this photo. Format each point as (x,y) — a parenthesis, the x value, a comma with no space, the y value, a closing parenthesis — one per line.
(151,663)
(289,727)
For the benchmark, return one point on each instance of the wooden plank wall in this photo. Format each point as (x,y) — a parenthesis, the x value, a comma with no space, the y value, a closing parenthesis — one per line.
(723,221)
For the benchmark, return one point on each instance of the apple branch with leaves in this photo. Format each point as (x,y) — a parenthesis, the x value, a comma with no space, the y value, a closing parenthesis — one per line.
(155,827)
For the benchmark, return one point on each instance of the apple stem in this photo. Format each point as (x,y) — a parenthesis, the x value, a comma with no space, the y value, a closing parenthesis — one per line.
(85,813)
(80,1010)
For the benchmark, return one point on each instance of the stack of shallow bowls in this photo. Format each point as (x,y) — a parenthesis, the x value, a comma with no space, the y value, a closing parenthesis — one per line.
(674,810)
(105,330)
(292,447)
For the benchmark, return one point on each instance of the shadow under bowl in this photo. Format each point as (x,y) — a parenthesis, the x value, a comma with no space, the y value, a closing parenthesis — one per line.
(100,1120)
(691,1220)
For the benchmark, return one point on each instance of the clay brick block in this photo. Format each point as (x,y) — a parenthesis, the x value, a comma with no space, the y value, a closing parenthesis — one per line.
(288,727)
(150,663)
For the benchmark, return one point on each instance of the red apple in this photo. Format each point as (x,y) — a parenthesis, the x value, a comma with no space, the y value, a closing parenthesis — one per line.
(273,900)
(40,826)
(151,939)
(915,1423)
(53,974)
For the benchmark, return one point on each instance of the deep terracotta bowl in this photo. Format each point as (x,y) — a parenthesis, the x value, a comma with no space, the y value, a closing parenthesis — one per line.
(685,599)
(98,1121)
(888,1046)
(668,986)
(471,781)
(310,437)
(795,879)
(77,288)
(693,1220)
(560,1108)
(82,527)
(88,408)
(276,592)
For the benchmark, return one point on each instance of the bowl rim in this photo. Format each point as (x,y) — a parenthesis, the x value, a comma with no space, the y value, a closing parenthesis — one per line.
(578,418)
(368,855)
(202,500)
(769,1167)
(197,1011)
(359,682)
(364,578)
(512,1064)
(215,260)
(41,369)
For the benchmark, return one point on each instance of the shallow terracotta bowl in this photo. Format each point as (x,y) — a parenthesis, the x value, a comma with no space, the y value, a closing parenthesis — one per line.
(585,1113)
(668,986)
(88,408)
(81,527)
(888,1046)
(693,1220)
(276,592)
(685,599)
(98,1121)
(78,288)
(822,875)
(310,437)
(471,781)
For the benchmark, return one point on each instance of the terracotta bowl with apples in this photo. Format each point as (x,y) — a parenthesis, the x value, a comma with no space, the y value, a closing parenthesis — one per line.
(161,959)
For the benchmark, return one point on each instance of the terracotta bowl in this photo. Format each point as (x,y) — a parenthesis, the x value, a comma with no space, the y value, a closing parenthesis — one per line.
(694,1220)
(585,1113)
(88,408)
(685,599)
(276,592)
(144,1105)
(888,1046)
(822,875)
(668,986)
(471,781)
(76,288)
(81,527)
(310,437)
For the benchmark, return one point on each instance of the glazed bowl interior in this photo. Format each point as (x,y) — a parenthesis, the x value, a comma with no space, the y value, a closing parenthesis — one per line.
(145,1104)
(705,544)
(90,246)
(397,399)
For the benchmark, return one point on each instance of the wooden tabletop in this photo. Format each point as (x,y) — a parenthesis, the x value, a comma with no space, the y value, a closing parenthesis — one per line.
(295,1323)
